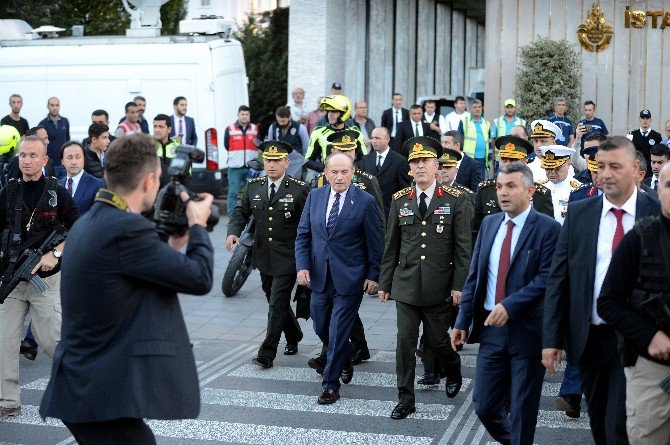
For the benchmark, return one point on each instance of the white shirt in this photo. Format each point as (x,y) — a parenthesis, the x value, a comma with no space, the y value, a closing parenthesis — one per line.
(396,115)
(416,125)
(606,231)
(298,111)
(382,155)
(429,193)
(429,117)
(331,201)
(277,183)
(75,181)
(654,178)
(450,121)
(494,258)
(560,195)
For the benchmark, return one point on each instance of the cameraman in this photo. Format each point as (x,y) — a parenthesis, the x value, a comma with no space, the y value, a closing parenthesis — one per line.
(640,272)
(125,353)
(39,206)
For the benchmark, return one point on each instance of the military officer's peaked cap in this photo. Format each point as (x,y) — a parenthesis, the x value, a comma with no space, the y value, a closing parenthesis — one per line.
(450,157)
(422,147)
(344,140)
(513,147)
(544,129)
(555,155)
(275,149)
(592,163)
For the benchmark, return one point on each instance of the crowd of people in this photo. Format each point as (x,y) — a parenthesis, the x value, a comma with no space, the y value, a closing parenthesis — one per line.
(534,241)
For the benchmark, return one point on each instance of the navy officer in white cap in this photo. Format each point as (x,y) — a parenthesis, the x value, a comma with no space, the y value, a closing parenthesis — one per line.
(556,164)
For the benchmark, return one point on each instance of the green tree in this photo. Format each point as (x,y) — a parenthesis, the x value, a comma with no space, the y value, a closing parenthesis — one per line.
(98,18)
(264,40)
(547,69)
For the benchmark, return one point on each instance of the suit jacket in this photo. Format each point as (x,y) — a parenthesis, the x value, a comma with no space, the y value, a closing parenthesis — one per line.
(126,352)
(190,135)
(643,144)
(406,131)
(569,298)
(86,189)
(469,173)
(352,252)
(648,190)
(525,285)
(392,177)
(387,118)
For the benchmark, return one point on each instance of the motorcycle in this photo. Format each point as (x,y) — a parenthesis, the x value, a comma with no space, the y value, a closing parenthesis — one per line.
(240,265)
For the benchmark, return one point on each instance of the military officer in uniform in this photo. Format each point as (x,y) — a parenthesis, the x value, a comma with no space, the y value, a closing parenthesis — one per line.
(546,133)
(276,202)
(449,170)
(556,163)
(593,188)
(511,149)
(346,141)
(426,260)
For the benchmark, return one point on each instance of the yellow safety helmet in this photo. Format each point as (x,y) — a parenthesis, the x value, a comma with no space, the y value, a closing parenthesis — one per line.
(9,139)
(337,102)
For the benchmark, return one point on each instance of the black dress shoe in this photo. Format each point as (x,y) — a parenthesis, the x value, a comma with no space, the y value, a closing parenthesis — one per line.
(454,383)
(347,374)
(263,362)
(359,356)
(429,378)
(317,363)
(28,350)
(291,349)
(570,403)
(402,410)
(328,397)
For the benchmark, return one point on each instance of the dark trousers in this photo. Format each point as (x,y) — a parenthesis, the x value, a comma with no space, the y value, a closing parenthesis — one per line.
(357,337)
(280,314)
(604,386)
(333,315)
(428,358)
(436,329)
(571,383)
(112,432)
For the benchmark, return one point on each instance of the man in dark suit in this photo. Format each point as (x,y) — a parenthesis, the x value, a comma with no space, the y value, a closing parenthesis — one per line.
(580,262)
(412,128)
(644,137)
(338,251)
(183,127)
(469,171)
(660,155)
(125,355)
(390,168)
(79,184)
(504,296)
(393,116)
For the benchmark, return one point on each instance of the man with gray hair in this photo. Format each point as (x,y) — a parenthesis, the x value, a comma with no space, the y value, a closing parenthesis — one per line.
(502,300)
(563,122)
(299,111)
(13,118)
(469,173)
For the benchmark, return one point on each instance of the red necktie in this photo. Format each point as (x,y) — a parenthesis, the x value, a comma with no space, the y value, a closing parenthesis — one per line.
(503,264)
(69,186)
(618,233)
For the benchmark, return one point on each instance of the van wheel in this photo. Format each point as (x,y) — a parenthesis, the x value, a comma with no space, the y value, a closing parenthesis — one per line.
(238,270)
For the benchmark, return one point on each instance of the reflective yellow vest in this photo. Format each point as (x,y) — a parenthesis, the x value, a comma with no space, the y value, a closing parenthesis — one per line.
(470,137)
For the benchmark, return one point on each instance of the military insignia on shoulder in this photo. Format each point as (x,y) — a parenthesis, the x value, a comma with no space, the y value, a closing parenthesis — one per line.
(453,191)
(297,181)
(403,192)
(487,183)
(259,179)
(321,180)
(464,189)
(540,188)
(575,184)
(544,181)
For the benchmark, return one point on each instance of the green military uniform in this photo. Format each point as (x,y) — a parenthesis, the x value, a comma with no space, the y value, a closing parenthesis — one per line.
(425,257)
(276,222)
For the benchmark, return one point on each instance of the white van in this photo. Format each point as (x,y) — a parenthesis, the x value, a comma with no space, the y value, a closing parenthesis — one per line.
(89,73)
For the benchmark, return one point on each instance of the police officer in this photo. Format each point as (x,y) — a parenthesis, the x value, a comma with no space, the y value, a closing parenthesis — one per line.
(31,208)
(511,149)
(556,163)
(338,110)
(345,141)
(165,147)
(425,261)
(276,202)
(635,301)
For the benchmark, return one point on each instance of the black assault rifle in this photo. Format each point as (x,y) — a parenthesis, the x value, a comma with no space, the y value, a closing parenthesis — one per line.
(26,262)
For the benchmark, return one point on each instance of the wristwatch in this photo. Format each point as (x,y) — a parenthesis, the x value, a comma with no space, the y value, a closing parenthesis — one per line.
(57,253)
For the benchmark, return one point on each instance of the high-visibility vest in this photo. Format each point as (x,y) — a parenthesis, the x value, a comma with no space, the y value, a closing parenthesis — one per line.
(501,130)
(470,137)
(169,152)
(241,146)
(130,129)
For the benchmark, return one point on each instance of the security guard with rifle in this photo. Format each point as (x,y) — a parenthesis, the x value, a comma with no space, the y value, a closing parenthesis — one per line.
(35,215)
(276,202)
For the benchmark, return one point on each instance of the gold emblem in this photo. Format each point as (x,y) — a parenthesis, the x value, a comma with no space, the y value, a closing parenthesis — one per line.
(549,156)
(417,147)
(595,34)
(346,138)
(273,150)
(538,128)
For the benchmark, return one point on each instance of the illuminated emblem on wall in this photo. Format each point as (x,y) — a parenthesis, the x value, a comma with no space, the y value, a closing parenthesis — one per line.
(595,34)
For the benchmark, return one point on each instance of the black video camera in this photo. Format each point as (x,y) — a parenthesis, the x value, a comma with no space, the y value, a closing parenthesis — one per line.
(169,209)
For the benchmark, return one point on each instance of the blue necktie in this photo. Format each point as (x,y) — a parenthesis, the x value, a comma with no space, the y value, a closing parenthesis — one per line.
(332,216)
